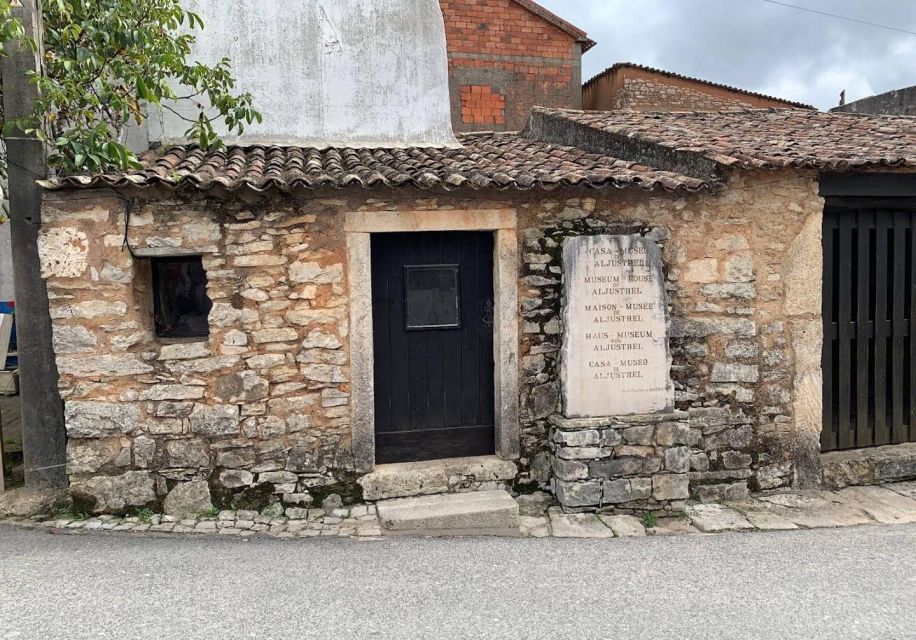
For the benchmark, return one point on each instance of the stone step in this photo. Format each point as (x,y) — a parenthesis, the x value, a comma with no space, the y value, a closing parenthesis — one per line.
(452,514)
(452,475)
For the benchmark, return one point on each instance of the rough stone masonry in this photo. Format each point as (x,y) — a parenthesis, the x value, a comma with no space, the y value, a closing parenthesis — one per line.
(261,408)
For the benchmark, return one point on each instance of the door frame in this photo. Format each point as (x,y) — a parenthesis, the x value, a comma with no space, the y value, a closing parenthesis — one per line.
(503,223)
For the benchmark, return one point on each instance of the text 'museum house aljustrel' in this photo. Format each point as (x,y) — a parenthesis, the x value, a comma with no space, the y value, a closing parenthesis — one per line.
(630,309)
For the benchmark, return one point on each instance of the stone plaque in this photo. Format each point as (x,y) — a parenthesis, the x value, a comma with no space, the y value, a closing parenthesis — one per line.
(615,358)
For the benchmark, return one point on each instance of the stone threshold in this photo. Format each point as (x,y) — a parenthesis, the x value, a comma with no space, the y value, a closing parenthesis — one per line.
(452,475)
(779,511)
(875,465)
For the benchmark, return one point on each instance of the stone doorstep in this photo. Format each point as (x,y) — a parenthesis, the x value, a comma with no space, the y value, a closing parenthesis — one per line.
(410,479)
(876,465)
(453,514)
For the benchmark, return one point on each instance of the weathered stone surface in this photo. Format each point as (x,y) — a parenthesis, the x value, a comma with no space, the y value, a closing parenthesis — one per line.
(534,504)
(471,513)
(184,351)
(424,478)
(577,525)
(670,487)
(624,526)
(63,252)
(629,311)
(869,466)
(702,270)
(320,340)
(236,478)
(314,273)
(814,509)
(89,456)
(115,493)
(715,518)
(284,334)
(222,420)
(73,339)
(733,372)
(578,494)
(111,366)
(884,505)
(172,392)
(100,419)
(188,498)
(187,454)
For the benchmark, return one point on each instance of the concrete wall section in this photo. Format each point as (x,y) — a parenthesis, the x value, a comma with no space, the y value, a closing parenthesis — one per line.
(901,102)
(369,73)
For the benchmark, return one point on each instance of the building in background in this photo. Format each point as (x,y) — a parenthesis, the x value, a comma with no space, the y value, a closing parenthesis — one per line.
(900,102)
(631,86)
(506,56)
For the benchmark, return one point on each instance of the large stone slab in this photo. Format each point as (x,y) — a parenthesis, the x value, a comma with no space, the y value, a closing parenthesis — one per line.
(615,358)
(407,479)
(814,509)
(884,505)
(715,518)
(624,526)
(577,525)
(477,513)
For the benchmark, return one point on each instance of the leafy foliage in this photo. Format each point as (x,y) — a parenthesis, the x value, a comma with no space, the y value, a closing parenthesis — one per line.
(105,62)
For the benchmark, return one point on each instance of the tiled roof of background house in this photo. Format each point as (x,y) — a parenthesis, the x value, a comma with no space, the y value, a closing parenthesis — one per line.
(749,139)
(489,160)
(670,74)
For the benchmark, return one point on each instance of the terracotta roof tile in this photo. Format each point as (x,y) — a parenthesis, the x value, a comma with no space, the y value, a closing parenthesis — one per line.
(753,138)
(485,161)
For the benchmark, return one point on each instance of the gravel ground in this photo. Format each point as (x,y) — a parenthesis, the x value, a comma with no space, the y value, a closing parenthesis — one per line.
(858,582)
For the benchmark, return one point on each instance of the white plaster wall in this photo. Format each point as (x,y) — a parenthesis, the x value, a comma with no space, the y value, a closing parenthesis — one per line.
(370,73)
(6,263)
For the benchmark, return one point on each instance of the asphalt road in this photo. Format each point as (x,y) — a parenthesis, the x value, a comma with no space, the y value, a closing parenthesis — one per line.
(846,583)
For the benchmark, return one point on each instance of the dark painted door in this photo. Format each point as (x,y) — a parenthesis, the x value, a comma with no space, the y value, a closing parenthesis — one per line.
(432,299)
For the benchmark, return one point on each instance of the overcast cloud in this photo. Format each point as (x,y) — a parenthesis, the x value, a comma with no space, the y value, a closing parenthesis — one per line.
(756,45)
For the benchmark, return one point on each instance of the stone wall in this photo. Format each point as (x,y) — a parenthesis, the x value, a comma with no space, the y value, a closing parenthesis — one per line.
(261,409)
(901,102)
(625,464)
(649,93)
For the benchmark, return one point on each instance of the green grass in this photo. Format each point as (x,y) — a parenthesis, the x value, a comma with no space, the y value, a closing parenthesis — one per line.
(649,520)
(145,515)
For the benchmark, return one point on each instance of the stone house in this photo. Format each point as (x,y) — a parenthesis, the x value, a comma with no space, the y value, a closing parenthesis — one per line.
(286,321)
(506,56)
(633,86)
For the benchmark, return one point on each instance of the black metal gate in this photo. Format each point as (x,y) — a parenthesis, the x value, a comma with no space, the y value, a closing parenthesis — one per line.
(869,306)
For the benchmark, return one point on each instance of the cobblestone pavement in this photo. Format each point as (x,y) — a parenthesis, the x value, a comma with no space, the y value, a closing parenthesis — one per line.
(886,504)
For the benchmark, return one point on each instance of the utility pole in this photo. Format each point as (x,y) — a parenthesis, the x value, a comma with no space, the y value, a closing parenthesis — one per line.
(43,432)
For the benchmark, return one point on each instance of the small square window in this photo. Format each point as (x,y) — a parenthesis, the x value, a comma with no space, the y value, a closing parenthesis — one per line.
(432,297)
(180,304)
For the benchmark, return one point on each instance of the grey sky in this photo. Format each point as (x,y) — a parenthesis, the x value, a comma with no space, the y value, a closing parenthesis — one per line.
(756,45)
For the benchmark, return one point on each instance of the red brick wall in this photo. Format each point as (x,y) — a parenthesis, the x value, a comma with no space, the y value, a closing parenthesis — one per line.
(503,58)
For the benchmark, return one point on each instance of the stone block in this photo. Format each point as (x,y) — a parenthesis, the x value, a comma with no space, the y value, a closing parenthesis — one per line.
(734,372)
(641,435)
(577,525)
(115,493)
(668,434)
(667,487)
(584,453)
(187,454)
(100,419)
(701,270)
(617,491)
(583,438)
(188,498)
(577,494)
(610,438)
(715,518)
(220,420)
(677,460)
(616,468)
(624,526)
(236,478)
(571,469)
(471,513)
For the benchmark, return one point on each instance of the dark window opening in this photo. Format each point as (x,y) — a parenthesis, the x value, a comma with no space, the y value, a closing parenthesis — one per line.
(180,304)
(432,297)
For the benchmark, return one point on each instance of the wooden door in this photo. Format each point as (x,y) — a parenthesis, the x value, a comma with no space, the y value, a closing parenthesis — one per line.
(869,307)
(432,298)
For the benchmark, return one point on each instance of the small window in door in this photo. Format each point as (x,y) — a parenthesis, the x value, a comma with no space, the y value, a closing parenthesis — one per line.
(181,307)
(432,298)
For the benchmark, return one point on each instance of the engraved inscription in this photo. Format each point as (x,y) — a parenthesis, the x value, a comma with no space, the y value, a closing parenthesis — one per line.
(615,341)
